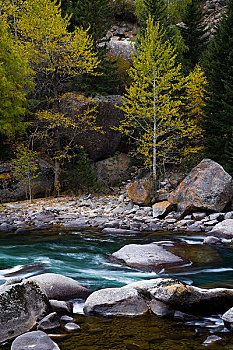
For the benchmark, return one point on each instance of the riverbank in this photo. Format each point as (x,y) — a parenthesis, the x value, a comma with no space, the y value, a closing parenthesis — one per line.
(110,213)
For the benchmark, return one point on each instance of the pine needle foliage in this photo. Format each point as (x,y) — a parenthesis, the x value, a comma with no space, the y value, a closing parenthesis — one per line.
(194,33)
(218,62)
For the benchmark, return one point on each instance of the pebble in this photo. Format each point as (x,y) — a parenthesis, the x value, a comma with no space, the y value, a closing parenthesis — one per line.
(71,327)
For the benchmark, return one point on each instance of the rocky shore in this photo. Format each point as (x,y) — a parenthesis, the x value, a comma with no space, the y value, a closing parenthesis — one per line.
(201,203)
(115,214)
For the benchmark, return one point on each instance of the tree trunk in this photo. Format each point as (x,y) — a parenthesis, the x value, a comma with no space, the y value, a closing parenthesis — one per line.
(56,177)
(154,157)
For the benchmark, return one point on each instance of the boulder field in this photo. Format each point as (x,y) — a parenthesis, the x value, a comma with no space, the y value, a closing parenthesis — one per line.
(27,304)
(163,297)
(201,203)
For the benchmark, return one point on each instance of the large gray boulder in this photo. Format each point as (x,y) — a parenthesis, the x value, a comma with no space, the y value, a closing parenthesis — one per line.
(113,170)
(21,306)
(207,187)
(99,144)
(224,229)
(190,299)
(149,257)
(36,340)
(60,287)
(115,301)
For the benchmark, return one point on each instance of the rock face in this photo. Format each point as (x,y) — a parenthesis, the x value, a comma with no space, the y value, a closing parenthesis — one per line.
(149,257)
(114,169)
(60,287)
(98,145)
(36,340)
(115,301)
(11,190)
(224,228)
(207,187)
(139,192)
(21,305)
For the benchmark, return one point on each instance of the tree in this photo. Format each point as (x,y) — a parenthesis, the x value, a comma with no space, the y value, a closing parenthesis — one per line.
(58,54)
(166,13)
(194,33)
(51,48)
(218,63)
(58,130)
(97,15)
(229,155)
(25,168)
(153,103)
(15,81)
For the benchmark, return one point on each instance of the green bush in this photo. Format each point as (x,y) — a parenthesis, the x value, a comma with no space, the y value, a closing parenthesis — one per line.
(80,176)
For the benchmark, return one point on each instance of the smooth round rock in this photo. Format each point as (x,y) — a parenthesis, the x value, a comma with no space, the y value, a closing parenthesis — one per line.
(49,322)
(71,327)
(66,318)
(36,340)
(60,287)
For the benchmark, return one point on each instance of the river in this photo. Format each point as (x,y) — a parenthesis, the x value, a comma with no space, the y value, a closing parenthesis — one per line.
(83,256)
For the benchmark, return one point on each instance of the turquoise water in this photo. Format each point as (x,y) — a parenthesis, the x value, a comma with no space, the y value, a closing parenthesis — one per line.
(83,256)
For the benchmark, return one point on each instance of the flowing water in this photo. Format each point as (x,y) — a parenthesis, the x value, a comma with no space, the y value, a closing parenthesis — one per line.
(83,256)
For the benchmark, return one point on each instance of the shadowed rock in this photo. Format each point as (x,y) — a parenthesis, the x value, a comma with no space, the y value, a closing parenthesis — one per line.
(21,305)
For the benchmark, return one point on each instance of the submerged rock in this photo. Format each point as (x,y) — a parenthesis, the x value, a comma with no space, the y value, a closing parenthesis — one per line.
(71,327)
(36,340)
(211,339)
(207,187)
(149,257)
(60,287)
(21,305)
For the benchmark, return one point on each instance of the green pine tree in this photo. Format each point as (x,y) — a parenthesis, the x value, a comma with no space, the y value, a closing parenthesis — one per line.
(194,33)
(107,81)
(94,14)
(97,15)
(157,9)
(229,155)
(161,12)
(219,106)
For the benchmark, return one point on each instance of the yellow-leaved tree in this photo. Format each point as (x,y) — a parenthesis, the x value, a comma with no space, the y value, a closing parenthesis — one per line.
(155,103)
(56,54)
(15,76)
